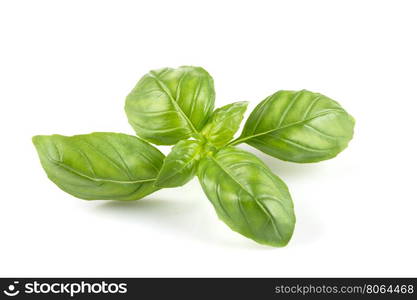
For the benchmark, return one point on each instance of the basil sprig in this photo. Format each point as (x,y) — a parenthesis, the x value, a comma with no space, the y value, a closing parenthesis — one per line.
(175,107)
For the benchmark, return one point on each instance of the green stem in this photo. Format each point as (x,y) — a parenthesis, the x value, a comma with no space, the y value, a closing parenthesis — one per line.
(239,140)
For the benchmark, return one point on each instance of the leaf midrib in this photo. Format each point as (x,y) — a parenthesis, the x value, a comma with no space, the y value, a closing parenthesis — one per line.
(243,139)
(166,90)
(97,179)
(264,209)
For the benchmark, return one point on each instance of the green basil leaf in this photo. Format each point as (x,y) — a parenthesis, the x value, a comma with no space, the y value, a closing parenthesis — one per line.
(169,105)
(180,164)
(247,196)
(224,123)
(100,166)
(298,126)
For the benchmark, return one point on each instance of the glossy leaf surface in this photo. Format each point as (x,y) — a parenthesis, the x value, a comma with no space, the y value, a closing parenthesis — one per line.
(224,123)
(247,196)
(180,164)
(169,105)
(100,165)
(298,126)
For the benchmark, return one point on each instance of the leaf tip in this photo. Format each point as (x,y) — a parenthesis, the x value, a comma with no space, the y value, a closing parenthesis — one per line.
(243,104)
(36,139)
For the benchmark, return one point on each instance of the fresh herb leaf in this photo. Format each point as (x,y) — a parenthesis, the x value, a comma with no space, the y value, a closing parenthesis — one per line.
(247,196)
(169,105)
(180,165)
(298,126)
(101,165)
(224,123)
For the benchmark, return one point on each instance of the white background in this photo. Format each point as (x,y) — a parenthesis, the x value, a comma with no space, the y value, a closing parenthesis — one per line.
(66,67)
